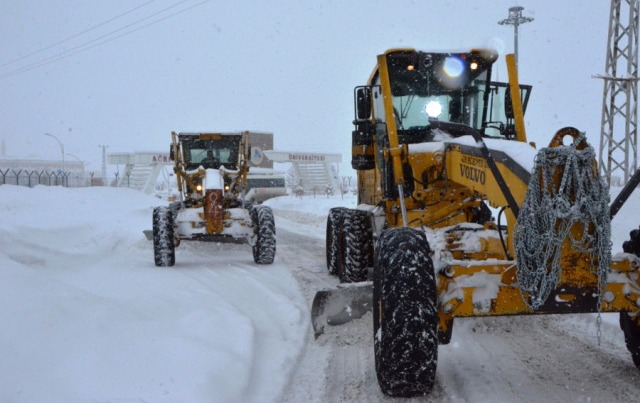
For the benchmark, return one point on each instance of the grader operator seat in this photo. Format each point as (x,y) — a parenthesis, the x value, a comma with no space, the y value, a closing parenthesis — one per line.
(210,161)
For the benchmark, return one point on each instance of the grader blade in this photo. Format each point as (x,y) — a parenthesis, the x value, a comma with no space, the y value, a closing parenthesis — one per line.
(340,305)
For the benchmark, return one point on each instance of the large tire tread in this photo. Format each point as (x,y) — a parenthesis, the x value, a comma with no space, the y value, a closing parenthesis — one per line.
(358,246)
(163,237)
(335,222)
(264,248)
(405,313)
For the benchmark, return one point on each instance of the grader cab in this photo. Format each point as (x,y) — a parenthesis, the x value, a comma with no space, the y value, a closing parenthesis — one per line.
(211,170)
(458,216)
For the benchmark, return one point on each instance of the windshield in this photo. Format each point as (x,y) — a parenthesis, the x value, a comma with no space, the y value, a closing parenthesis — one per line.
(212,153)
(449,87)
(451,106)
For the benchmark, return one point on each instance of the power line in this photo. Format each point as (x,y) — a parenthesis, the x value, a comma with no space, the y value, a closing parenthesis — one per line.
(75,35)
(84,46)
(94,42)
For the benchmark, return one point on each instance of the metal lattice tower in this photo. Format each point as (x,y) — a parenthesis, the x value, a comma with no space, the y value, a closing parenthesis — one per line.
(619,130)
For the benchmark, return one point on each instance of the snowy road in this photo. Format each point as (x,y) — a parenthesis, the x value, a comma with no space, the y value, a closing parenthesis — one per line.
(507,359)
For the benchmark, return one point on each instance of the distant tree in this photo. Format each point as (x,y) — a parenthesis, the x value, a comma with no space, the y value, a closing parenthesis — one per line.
(292,179)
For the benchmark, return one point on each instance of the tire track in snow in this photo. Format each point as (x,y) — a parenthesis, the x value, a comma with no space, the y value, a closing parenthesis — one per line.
(228,270)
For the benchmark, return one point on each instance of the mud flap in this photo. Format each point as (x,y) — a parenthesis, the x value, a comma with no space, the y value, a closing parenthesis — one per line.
(148,234)
(340,305)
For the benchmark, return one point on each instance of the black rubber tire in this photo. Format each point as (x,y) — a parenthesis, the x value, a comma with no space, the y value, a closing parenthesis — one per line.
(631,329)
(405,316)
(264,227)
(335,221)
(631,326)
(164,247)
(358,246)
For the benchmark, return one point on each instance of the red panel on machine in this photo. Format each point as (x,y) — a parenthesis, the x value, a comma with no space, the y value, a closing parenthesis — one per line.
(213,211)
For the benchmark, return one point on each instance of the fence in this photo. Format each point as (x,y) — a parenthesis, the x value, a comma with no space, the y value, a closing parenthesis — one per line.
(31,178)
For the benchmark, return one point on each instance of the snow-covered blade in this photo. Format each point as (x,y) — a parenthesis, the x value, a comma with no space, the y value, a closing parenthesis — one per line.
(340,305)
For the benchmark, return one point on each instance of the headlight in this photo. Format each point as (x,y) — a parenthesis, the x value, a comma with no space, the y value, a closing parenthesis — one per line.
(453,66)
(434,109)
(199,188)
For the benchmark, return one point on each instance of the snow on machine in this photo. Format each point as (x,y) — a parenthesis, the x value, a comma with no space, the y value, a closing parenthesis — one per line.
(211,170)
(436,142)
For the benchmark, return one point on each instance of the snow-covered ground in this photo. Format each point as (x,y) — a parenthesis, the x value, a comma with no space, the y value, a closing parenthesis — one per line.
(86,316)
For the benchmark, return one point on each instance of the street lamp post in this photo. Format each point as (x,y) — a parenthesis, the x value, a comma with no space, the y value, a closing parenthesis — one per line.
(516,19)
(61,148)
(80,161)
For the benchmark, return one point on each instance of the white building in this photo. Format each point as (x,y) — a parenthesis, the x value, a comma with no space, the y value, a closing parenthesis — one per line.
(315,171)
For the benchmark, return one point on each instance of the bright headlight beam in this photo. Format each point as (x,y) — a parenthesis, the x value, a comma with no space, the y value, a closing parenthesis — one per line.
(434,109)
(453,66)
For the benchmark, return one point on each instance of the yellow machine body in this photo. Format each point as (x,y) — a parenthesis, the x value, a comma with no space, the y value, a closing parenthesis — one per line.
(458,179)
(437,144)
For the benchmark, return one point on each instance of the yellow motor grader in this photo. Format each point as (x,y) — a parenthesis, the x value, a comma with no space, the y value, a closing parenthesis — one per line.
(441,150)
(211,170)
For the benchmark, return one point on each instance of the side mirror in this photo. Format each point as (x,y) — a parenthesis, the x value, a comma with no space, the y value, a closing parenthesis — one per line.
(363,103)
(171,156)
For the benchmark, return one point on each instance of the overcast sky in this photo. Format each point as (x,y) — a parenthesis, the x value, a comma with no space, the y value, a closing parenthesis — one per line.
(284,66)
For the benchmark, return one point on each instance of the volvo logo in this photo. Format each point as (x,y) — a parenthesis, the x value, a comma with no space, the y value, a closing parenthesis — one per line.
(473,174)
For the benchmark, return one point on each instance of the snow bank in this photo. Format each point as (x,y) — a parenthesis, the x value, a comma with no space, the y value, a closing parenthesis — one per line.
(88,317)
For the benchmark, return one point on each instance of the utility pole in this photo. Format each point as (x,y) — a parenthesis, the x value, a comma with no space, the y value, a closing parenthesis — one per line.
(619,152)
(516,19)
(104,163)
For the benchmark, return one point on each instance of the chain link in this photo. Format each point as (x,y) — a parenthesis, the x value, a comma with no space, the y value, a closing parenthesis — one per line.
(551,209)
